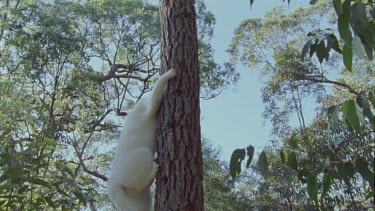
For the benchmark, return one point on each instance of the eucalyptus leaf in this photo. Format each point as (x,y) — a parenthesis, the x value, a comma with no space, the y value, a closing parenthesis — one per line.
(337,6)
(321,51)
(327,181)
(236,159)
(292,161)
(305,50)
(282,156)
(312,187)
(250,153)
(363,102)
(263,164)
(348,56)
(333,118)
(350,115)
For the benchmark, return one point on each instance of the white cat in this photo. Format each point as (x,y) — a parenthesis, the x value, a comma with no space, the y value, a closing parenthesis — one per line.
(133,166)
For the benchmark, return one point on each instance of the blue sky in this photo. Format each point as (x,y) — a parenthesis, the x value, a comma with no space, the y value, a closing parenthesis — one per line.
(233,119)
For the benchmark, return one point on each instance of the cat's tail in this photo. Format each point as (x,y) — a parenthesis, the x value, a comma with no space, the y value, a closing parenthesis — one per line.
(129,199)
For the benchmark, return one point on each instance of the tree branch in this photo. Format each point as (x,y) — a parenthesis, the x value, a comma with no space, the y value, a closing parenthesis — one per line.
(325,80)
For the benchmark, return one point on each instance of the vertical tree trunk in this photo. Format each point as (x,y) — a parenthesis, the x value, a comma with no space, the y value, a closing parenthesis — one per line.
(179,180)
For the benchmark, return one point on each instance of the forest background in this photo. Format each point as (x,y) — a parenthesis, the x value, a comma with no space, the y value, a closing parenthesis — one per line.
(70,70)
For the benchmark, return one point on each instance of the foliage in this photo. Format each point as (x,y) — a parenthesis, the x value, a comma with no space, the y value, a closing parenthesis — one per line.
(332,156)
(67,70)
(236,159)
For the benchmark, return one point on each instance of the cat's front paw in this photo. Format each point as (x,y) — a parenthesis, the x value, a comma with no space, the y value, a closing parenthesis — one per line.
(171,73)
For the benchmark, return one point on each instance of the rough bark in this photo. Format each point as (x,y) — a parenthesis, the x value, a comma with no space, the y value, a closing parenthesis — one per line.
(179,180)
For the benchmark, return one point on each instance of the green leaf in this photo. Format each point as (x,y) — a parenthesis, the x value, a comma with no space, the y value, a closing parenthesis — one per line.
(345,170)
(350,115)
(250,154)
(371,97)
(327,181)
(49,200)
(293,141)
(69,171)
(348,56)
(363,102)
(333,117)
(80,196)
(237,157)
(302,176)
(358,12)
(313,47)
(292,161)
(335,43)
(312,187)
(305,49)
(358,48)
(39,182)
(365,172)
(344,20)
(282,156)
(263,164)
(337,6)
(321,51)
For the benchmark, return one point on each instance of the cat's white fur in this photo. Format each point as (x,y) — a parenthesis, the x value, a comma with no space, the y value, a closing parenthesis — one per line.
(133,166)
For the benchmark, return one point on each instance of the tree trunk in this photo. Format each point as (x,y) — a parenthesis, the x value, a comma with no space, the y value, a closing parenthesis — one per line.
(179,180)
